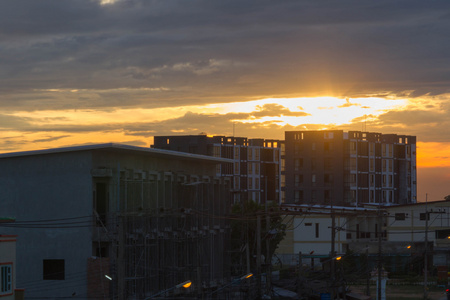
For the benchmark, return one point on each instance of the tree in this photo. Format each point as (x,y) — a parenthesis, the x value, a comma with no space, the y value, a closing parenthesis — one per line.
(243,233)
(447,198)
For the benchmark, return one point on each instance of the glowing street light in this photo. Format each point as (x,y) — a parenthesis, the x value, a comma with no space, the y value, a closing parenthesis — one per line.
(185,285)
(246,276)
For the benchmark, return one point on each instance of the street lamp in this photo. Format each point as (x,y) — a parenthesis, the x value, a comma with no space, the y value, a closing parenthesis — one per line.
(185,285)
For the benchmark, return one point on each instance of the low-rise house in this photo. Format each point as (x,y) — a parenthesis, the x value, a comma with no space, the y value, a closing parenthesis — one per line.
(7,263)
(403,230)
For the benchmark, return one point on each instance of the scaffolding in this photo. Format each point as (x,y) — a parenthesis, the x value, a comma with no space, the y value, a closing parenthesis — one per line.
(167,228)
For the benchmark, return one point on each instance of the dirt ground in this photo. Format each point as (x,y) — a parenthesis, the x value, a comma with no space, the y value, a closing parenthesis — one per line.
(403,292)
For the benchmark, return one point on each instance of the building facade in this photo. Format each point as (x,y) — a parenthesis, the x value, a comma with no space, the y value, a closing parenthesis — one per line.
(333,167)
(405,233)
(112,221)
(255,170)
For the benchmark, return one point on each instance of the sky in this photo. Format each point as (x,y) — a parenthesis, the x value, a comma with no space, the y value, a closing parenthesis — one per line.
(75,72)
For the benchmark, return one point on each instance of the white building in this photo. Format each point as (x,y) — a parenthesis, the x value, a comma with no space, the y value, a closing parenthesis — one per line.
(403,230)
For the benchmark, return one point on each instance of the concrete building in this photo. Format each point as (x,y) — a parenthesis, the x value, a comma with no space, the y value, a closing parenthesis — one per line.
(112,221)
(255,170)
(405,233)
(352,168)
(309,231)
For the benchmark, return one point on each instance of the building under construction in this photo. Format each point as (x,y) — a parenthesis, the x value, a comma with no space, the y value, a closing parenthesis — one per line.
(116,222)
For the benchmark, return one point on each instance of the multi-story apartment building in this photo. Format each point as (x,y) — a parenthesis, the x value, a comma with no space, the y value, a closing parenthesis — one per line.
(349,168)
(255,169)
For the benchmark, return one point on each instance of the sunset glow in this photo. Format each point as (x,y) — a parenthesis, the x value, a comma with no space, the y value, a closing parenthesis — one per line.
(97,71)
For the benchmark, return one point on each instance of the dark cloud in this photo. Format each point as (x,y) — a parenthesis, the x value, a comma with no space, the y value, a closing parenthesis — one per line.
(207,51)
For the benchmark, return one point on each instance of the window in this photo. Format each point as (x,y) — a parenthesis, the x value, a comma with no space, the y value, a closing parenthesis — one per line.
(442,234)
(371,149)
(53,269)
(236,153)
(353,163)
(236,182)
(250,153)
(236,168)
(308,224)
(6,279)
(298,196)
(352,147)
(298,164)
(328,179)
(328,146)
(216,151)
(423,216)
(250,168)
(400,216)
(317,230)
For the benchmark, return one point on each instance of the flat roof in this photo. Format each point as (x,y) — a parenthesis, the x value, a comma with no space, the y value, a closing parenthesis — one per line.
(121,148)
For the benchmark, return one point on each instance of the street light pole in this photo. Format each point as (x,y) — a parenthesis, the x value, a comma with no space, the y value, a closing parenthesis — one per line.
(379,264)
(425,259)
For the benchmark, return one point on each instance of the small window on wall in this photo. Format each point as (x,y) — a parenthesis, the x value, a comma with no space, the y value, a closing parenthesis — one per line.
(423,216)
(53,269)
(400,216)
(6,279)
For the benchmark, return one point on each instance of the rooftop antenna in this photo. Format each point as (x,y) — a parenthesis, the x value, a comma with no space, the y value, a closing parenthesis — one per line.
(234,125)
(364,125)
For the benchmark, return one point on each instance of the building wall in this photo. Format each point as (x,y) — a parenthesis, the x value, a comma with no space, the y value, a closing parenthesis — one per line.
(122,208)
(314,167)
(38,189)
(408,223)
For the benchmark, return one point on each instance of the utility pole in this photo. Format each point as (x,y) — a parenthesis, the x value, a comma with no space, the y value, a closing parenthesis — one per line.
(379,264)
(268,258)
(258,255)
(120,259)
(425,259)
(333,253)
